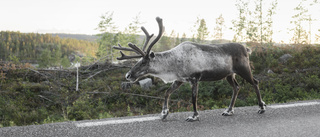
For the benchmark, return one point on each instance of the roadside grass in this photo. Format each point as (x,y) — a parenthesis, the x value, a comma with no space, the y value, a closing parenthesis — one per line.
(31,96)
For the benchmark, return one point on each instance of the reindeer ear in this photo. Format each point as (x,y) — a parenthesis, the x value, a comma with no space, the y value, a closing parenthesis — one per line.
(152,55)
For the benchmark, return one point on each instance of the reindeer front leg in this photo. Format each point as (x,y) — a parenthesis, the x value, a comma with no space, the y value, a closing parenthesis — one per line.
(165,109)
(233,82)
(195,117)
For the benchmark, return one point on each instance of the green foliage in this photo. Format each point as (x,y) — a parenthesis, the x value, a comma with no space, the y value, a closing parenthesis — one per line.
(254,24)
(239,25)
(81,109)
(220,24)
(65,62)
(14,59)
(202,31)
(300,34)
(107,39)
(45,59)
(27,97)
(32,47)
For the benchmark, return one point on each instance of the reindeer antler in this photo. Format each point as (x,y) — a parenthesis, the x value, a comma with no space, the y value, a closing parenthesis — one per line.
(137,50)
(161,30)
(134,48)
(148,37)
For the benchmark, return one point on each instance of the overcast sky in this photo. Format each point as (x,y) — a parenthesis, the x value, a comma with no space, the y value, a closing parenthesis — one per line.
(83,16)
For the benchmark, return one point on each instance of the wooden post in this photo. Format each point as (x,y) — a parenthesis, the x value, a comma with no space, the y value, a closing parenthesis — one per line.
(77,65)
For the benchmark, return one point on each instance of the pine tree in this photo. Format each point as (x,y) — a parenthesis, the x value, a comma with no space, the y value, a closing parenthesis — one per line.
(164,42)
(65,62)
(177,40)
(239,24)
(129,35)
(183,38)
(57,56)
(107,28)
(253,24)
(45,59)
(202,31)
(268,31)
(133,29)
(218,30)
(172,39)
(300,34)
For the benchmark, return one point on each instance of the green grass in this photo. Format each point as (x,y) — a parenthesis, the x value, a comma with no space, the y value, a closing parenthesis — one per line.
(27,97)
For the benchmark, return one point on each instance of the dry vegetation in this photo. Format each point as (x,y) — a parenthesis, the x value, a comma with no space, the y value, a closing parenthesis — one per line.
(36,96)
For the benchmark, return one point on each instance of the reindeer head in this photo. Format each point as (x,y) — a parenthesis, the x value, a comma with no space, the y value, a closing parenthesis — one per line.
(142,67)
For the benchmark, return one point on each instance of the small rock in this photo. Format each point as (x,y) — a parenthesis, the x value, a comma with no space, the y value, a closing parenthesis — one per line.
(270,71)
(145,83)
(284,58)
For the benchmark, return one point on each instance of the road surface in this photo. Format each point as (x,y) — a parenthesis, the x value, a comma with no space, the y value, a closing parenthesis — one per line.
(295,119)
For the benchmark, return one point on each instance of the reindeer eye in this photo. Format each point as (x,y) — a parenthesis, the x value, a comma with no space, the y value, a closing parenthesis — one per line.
(152,55)
(144,62)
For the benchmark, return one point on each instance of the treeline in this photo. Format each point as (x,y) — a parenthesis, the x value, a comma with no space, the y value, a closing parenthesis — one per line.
(46,96)
(254,23)
(44,49)
(111,36)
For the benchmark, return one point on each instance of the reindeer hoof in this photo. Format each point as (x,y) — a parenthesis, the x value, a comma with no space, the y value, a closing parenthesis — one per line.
(262,108)
(164,114)
(261,111)
(228,113)
(193,118)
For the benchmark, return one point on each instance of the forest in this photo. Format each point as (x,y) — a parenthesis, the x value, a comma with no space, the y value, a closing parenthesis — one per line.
(44,49)
(37,95)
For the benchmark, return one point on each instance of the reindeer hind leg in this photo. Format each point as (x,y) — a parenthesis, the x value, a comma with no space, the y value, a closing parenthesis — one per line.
(246,74)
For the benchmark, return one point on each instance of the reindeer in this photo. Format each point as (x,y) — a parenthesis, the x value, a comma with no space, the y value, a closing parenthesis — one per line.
(191,62)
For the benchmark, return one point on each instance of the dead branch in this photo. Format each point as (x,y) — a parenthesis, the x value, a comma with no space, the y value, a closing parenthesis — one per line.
(45,98)
(96,62)
(38,73)
(132,94)
(108,69)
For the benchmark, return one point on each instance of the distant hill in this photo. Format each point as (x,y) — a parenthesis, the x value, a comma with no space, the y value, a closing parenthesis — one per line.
(141,38)
(77,36)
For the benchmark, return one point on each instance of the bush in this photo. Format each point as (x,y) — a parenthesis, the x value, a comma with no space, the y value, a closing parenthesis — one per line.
(37,97)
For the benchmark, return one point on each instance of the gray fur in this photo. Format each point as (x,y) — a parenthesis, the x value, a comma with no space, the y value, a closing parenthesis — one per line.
(191,62)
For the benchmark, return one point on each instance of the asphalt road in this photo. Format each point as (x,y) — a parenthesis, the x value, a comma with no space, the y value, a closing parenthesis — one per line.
(298,119)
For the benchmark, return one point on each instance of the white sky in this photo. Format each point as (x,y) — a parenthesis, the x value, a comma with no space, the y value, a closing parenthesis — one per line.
(83,16)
